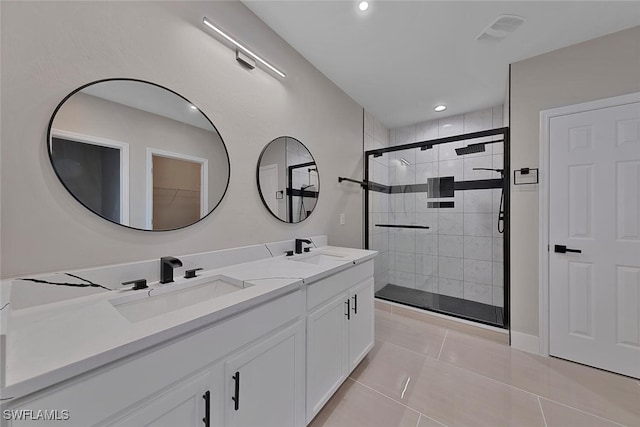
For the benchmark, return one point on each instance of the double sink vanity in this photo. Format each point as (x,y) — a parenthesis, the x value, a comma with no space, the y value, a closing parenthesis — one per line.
(252,340)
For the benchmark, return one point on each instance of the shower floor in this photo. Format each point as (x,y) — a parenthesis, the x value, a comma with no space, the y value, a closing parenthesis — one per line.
(458,307)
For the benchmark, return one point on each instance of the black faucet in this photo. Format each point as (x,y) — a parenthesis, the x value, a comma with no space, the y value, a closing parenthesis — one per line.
(299,243)
(167,264)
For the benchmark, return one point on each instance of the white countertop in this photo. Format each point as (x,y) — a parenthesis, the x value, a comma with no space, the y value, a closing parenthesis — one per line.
(50,343)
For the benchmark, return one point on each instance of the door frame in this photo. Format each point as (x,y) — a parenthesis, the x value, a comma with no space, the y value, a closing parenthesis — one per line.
(122,147)
(204,181)
(543,202)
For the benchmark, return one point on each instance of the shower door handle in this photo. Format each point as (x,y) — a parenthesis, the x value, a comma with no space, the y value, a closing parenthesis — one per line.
(561,249)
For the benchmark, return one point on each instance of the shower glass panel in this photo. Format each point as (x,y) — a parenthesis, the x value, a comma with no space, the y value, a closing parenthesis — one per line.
(436,215)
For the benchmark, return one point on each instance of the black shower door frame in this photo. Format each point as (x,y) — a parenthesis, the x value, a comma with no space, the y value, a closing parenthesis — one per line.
(460,185)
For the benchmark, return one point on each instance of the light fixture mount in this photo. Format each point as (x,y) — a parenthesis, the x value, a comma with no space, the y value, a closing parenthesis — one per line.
(239,46)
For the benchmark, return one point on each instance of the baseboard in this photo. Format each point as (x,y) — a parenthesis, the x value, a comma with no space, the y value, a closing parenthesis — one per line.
(525,342)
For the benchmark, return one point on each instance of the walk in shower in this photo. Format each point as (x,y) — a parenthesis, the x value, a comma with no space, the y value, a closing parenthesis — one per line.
(437,212)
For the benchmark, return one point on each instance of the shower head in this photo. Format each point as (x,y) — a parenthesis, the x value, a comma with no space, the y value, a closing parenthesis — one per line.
(470,149)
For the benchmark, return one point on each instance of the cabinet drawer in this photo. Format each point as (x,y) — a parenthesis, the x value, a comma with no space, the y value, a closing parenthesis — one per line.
(327,288)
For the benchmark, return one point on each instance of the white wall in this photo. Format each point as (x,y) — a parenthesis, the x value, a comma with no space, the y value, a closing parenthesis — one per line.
(601,68)
(51,48)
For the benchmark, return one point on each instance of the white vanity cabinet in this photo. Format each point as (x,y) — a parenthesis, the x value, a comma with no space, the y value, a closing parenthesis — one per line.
(340,331)
(186,404)
(166,385)
(265,382)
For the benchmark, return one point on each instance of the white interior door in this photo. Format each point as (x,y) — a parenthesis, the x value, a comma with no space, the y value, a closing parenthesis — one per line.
(594,208)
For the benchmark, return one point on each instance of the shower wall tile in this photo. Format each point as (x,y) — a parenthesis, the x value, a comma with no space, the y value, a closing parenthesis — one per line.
(498,296)
(450,246)
(408,280)
(369,142)
(404,203)
(452,288)
(498,161)
(427,130)
(426,265)
(368,123)
(458,203)
(450,268)
(405,262)
(427,156)
(478,292)
(453,168)
(451,224)
(478,201)
(426,243)
(453,125)
(478,248)
(424,171)
(380,133)
(405,240)
(409,155)
(427,283)
(478,271)
(478,120)
(495,199)
(380,281)
(404,174)
(498,120)
(478,162)
(448,151)
(480,225)
(498,274)
(429,218)
(498,249)
(405,135)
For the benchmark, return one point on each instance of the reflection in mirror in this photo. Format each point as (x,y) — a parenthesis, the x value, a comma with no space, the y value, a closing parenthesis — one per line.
(138,154)
(288,179)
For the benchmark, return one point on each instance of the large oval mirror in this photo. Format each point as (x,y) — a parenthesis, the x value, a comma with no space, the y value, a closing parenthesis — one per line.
(288,179)
(138,154)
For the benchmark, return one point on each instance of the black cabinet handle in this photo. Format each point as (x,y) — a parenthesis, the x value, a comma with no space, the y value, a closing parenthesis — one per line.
(348,313)
(561,249)
(236,397)
(355,303)
(207,408)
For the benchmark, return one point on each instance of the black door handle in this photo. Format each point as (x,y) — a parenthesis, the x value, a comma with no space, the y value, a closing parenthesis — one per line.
(207,409)
(348,313)
(355,303)
(236,397)
(561,249)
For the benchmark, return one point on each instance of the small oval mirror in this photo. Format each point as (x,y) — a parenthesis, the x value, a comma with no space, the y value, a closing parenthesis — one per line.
(288,179)
(138,154)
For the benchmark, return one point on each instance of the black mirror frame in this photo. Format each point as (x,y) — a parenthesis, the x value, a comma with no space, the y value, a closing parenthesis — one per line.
(264,202)
(48,140)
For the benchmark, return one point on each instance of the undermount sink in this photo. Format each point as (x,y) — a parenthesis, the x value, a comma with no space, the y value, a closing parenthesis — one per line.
(320,258)
(148,303)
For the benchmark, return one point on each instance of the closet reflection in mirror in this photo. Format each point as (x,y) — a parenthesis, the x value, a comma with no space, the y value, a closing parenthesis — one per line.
(288,179)
(138,154)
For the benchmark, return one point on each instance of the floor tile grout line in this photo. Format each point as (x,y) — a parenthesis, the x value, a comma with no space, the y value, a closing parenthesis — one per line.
(584,412)
(491,379)
(419,418)
(384,395)
(544,418)
(442,346)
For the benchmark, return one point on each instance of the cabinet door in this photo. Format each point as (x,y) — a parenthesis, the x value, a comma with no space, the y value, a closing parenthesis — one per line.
(361,333)
(265,382)
(184,404)
(327,364)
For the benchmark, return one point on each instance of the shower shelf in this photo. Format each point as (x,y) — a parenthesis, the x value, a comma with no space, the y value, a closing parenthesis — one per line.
(422,227)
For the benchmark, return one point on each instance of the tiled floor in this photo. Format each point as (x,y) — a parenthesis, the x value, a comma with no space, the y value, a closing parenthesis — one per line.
(435,373)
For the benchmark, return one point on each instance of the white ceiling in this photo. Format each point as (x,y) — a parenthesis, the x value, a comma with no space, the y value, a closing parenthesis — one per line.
(401,58)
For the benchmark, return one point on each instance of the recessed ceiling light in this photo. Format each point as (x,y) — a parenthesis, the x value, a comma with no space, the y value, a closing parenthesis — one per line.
(439,108)
(363,5)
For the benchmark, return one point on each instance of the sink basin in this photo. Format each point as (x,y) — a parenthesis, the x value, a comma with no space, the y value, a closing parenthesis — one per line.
(145,304)
(321,258)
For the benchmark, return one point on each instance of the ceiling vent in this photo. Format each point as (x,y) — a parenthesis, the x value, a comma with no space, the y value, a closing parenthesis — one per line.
(500,28)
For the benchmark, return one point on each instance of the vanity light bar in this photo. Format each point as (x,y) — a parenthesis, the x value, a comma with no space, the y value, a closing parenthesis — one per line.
(243,48)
